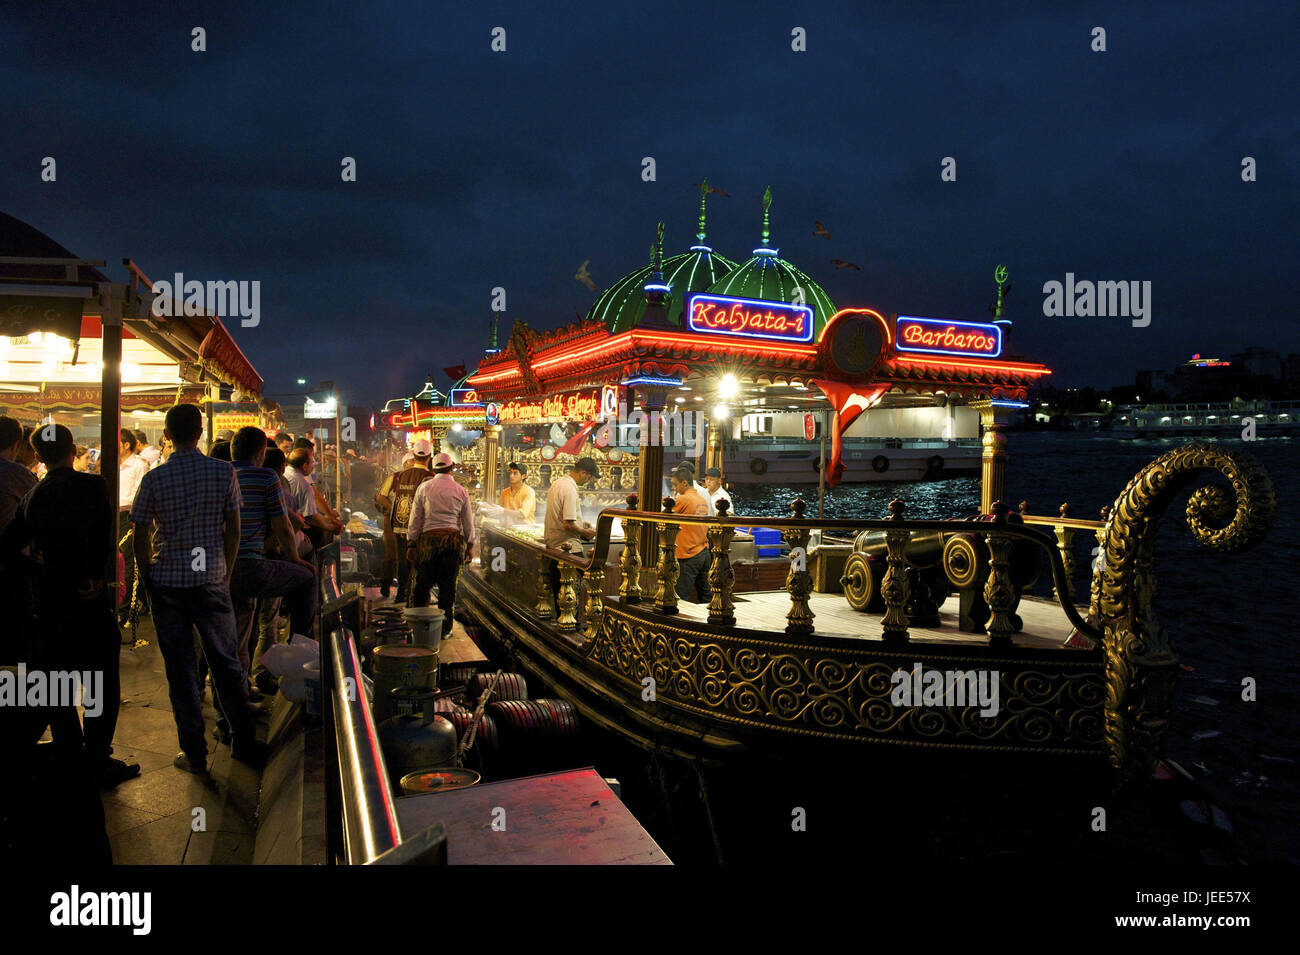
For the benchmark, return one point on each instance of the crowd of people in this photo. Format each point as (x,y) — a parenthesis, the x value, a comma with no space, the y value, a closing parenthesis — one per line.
(219,549)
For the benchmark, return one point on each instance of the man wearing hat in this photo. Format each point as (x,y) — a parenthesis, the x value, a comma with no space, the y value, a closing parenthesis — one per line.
(518,499)
(396,499)
(440,537)
(563,508)
(716,493)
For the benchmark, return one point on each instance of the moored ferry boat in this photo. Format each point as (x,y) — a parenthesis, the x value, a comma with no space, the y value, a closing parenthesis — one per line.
(1220,419)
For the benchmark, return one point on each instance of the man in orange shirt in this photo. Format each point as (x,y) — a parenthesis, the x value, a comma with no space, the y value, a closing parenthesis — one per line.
(518,498)
(693,556)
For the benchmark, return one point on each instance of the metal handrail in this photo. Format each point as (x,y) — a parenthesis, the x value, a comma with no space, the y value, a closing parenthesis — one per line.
(370,824)
(364,800)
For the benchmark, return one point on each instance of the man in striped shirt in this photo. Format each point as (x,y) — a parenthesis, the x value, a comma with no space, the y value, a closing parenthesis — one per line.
(255,576)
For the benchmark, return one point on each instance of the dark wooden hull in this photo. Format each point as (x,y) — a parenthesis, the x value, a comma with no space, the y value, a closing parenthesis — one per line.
(730,693)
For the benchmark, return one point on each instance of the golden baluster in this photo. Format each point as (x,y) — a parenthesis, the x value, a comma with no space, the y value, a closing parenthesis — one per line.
(999,593)
(798,582)
(1065,544)
(567,602)
(1098,562)
(629,588)
(894,586)
(666,591)
(594,611)
(721,576)
(544,611)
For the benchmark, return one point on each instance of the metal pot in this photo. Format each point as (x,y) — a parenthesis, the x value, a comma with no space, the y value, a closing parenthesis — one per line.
(416,741)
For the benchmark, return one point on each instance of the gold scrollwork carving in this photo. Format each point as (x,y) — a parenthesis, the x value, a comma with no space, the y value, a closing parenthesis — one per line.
(805,690)
(1141,663)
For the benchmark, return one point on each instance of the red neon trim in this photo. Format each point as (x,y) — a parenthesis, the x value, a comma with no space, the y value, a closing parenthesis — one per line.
(635,338)
(986,365)
(801,351)
(434,414)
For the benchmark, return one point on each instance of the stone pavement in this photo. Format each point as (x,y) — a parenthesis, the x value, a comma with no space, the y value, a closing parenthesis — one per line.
(152,819)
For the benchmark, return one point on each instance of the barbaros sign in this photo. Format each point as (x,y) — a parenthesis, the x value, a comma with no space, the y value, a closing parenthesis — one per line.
(943,337)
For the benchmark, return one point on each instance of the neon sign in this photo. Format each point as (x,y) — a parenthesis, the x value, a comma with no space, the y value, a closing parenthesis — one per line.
(465,398)
(572,406)
(749,318)
(941,337)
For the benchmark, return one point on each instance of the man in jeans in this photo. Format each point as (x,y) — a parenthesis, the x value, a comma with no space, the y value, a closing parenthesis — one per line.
(440,537)
(194,500)
(132,470)
(257,577)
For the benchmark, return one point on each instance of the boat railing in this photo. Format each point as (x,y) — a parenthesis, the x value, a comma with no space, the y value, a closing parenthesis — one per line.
(1001,532)
(1066,530)
(657,531)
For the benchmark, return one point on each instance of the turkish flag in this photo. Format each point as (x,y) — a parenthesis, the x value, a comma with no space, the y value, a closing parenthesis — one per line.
(455,373)
(848,401)
(574,444)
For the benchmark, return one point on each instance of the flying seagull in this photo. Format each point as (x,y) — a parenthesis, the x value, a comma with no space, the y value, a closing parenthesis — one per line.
(584,276)
(841,264)
(819,229)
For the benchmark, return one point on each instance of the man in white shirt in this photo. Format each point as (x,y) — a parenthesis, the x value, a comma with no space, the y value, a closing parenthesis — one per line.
(715,492)
(146,451)
(130,472)
(440,537)
(563,509)
(298,474)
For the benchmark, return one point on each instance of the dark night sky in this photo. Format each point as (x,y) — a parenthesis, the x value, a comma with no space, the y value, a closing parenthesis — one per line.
(478,169)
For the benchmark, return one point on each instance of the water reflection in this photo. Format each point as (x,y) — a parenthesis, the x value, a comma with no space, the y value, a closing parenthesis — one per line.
(927,500)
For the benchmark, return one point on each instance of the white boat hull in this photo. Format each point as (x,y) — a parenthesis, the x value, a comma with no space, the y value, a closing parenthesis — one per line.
(752,466)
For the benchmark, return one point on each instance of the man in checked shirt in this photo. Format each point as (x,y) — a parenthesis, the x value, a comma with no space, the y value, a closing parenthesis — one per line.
(195,501)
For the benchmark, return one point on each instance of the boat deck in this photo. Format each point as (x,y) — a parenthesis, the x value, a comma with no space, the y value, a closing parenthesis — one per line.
(1046,625)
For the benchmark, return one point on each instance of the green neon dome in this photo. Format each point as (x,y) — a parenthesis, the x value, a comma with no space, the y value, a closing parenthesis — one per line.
(622,305)
(771,278)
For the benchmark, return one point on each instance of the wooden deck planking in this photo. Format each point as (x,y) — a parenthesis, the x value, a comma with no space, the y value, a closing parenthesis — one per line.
(1046,625)
(568,818)
(457,648)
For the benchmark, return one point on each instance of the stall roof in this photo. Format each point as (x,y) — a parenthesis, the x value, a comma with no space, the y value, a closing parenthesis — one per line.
(585,354)
(196,340)
(19,240)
